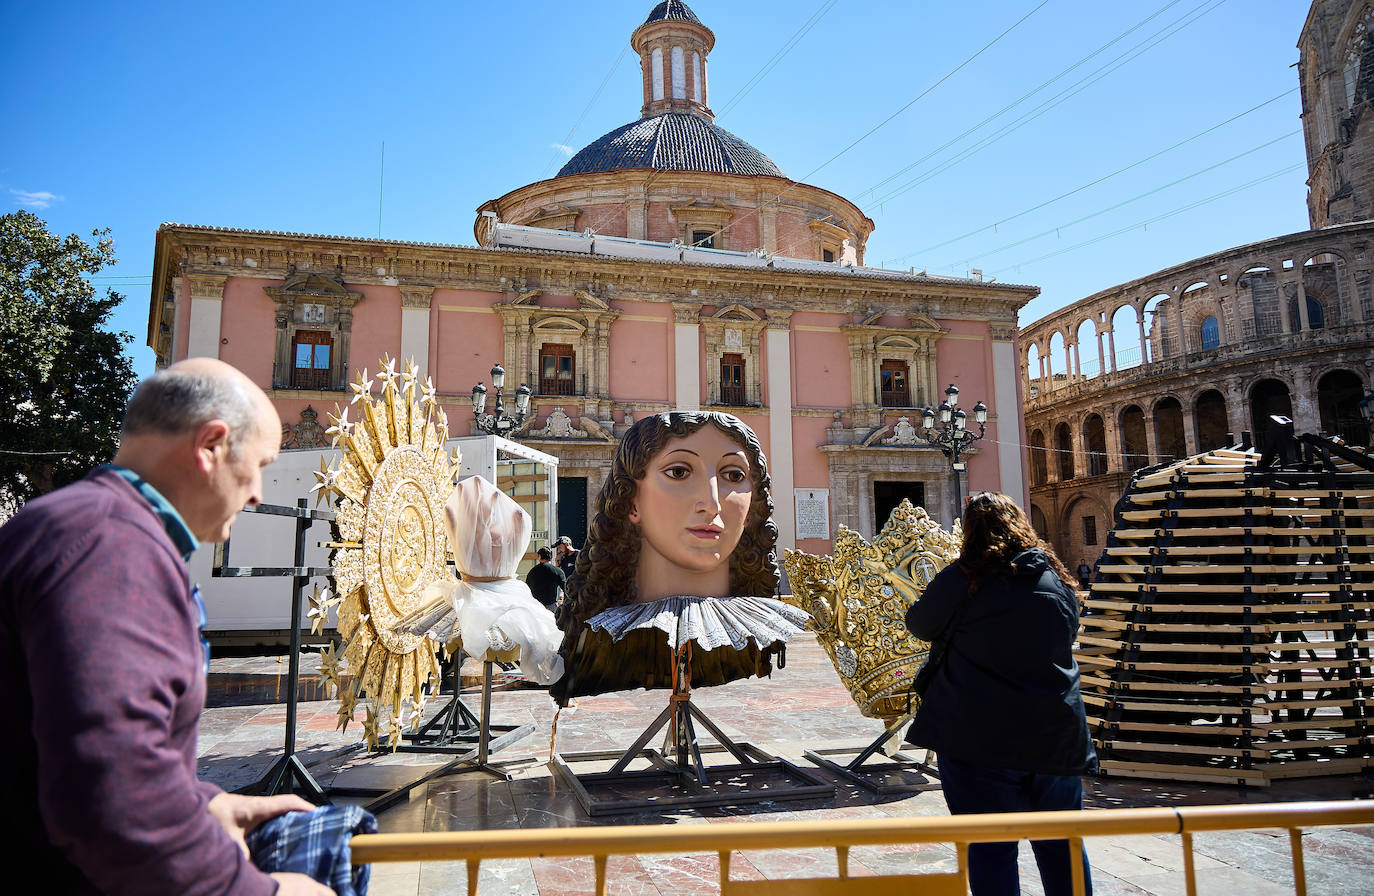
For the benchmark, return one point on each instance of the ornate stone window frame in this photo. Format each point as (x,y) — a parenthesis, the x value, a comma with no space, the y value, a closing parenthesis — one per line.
(871,343)
(733,329)
(712,216)
(557,217)
(528,325)
(299,300)
(827,236)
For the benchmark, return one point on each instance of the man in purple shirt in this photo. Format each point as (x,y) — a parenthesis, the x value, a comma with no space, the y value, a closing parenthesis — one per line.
(102,666)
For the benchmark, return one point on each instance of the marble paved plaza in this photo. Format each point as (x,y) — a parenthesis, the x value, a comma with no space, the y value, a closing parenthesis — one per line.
(803,706)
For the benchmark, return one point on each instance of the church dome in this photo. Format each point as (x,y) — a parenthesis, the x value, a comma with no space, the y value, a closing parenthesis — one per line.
(672,10)
(673,141)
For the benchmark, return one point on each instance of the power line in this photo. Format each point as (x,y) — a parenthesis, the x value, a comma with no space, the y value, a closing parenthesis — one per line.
(1056,229)
(1178,211)
(777,57)
(1063,96)
(998,114)
(777,201)
(567,141)
(1035,208)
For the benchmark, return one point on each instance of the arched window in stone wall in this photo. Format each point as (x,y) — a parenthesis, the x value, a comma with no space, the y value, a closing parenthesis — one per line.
(1063,450)
(1210,421)
(656,72)
(1133,439)
(1261,287)
(1033,365)
(1089,362)
(1158,340)
(1210,335)
(1358,50)
(1126,338)
(1039,470)
(1057,361)
(1169,430)
(1095,441)
(1316,314)
(1038,523)
(1268,398)
(1338,401)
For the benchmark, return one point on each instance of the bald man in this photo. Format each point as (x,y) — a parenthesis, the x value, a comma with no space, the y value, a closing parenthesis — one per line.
(102,665)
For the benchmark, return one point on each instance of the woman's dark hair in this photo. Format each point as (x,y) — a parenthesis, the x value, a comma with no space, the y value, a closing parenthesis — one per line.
(995,531)
(606,567)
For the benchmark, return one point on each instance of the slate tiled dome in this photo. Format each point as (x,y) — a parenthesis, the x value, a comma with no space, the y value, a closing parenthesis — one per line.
(673,141)
(672,9)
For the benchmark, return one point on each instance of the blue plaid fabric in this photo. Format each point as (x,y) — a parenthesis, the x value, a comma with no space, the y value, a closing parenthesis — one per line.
(315,843)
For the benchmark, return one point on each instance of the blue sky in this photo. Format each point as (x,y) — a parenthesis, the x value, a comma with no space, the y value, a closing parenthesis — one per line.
(273,115)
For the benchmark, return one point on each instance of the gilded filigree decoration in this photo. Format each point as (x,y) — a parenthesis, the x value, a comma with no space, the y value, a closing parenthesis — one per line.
(858,600)
(389,491)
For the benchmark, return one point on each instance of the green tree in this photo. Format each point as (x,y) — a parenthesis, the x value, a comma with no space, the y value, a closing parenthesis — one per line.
(64,379)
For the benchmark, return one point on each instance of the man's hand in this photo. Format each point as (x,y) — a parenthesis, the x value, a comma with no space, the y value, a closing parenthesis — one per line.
(289,884)
(239,814)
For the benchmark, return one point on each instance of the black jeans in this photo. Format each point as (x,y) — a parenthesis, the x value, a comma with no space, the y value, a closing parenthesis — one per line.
(973,789)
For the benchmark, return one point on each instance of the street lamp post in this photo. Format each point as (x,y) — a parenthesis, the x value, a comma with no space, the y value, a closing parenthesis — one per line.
(499,423)
(953,436)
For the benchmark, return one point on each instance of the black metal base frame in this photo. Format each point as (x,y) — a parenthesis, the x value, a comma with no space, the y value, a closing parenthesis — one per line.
(893,776)
(684,780)
(454,728)
(474,759)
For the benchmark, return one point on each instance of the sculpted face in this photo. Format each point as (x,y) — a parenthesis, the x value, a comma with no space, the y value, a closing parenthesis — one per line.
(691,507)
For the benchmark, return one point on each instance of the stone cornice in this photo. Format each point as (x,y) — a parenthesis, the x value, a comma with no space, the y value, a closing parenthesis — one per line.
(362,261)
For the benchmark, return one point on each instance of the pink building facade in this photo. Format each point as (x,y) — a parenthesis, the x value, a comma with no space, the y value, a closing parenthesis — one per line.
(778,323)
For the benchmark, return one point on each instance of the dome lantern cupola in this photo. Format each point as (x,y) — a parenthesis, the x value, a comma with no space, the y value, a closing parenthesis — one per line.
(672,45)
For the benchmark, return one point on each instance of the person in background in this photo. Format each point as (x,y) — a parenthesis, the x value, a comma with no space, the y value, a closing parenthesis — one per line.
(1002,709)
(545,580)
(102,661)
(567,555)
(1085,575)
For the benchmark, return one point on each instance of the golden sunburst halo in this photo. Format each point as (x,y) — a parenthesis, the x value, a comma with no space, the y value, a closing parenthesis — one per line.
(390,487)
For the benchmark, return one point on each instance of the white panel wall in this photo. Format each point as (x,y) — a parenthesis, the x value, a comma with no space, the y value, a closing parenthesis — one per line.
(1010,425)
(780,435)
(686,371)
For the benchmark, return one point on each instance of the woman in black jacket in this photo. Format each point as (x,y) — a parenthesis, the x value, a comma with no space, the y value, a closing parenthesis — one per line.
(1002,709)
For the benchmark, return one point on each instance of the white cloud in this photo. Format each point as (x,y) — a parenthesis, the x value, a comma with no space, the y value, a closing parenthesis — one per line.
(40,199)
(563,148)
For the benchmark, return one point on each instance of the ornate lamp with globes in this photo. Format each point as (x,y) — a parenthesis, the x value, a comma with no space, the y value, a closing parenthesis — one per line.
(498,422)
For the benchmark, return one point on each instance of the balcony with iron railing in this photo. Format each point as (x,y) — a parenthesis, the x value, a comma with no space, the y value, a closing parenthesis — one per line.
(746,396)
(560,387)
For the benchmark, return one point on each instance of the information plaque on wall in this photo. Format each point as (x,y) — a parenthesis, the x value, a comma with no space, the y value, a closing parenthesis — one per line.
(813,512)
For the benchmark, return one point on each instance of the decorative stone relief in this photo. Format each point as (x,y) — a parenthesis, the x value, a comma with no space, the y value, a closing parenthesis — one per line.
(305,434)
(903,433)
(559,426)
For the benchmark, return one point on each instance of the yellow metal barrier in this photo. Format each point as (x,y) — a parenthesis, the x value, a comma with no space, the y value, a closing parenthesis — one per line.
(725,838)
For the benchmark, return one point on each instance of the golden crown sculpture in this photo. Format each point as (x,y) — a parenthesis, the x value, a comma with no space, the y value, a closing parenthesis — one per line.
(389,488)
(858,600)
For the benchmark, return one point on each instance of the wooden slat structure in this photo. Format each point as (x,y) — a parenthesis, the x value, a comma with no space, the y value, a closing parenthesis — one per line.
(1227,633)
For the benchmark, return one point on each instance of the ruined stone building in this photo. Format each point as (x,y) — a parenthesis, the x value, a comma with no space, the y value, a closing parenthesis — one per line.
(1194,356)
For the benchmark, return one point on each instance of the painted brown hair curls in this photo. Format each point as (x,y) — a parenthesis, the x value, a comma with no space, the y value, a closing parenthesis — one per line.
(995,531)
(606,566)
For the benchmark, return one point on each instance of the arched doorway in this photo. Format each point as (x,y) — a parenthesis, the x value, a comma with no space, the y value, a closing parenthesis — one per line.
(1063,447)
(1169,430)
(1268,398)
(1039,472)
(1137,453)
(1095,440)
(1338,401)
(1209,414)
